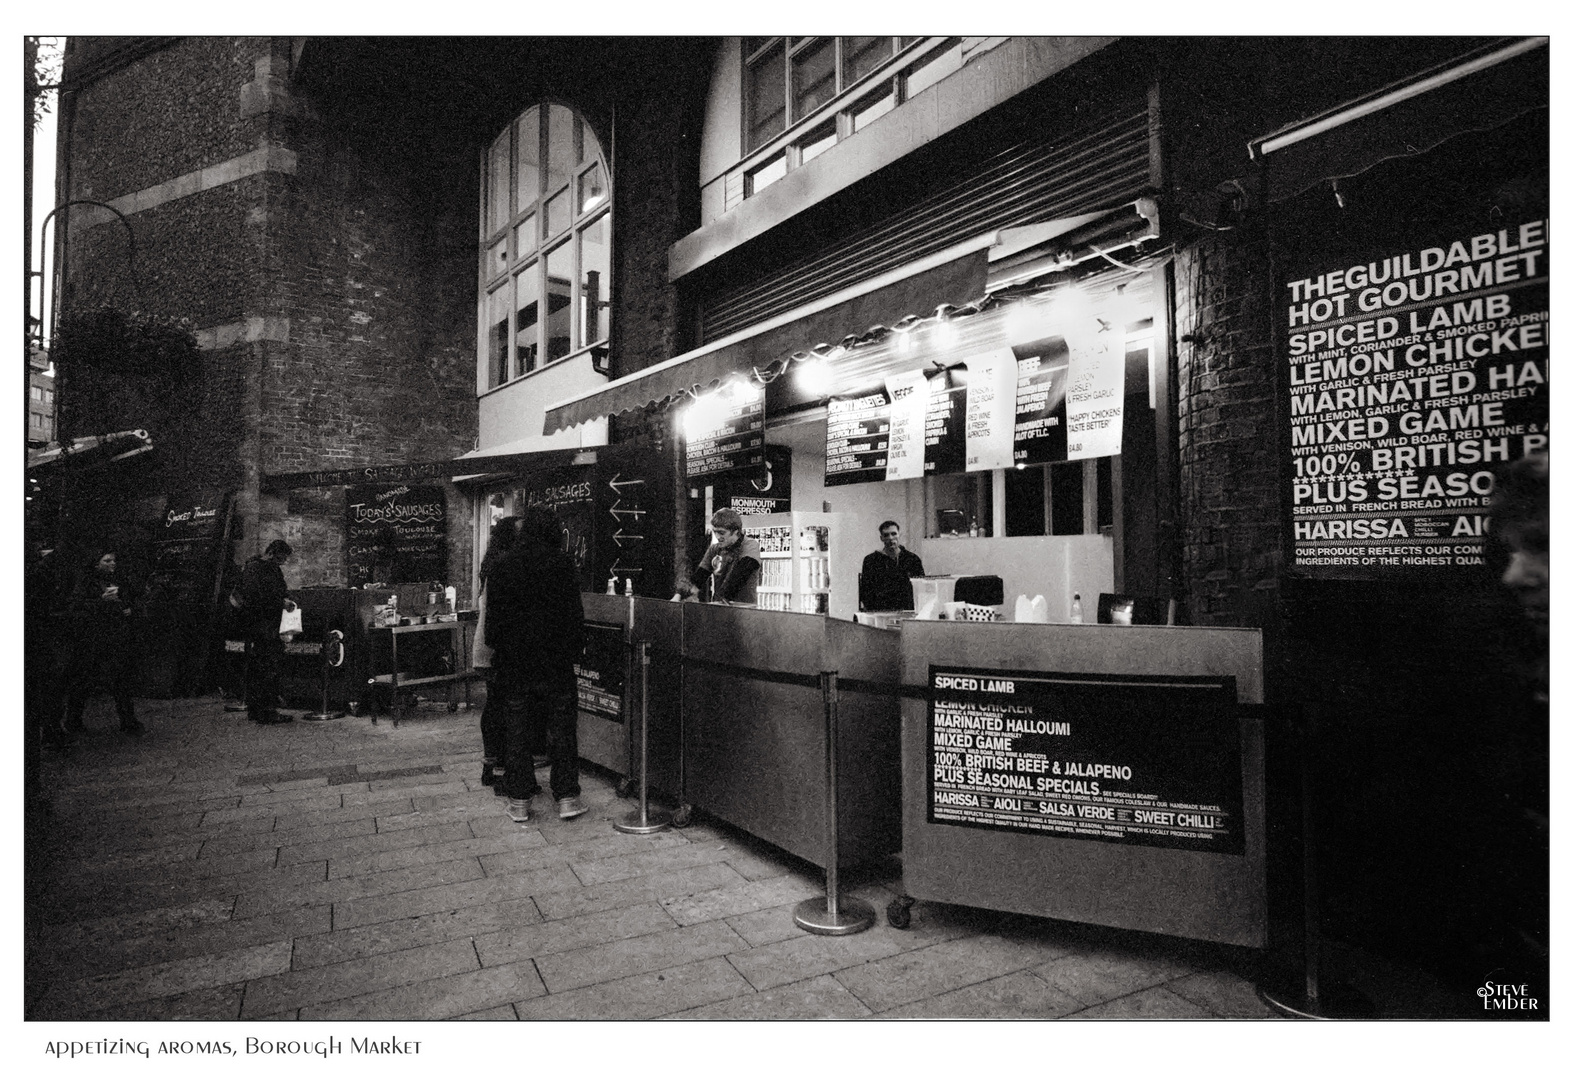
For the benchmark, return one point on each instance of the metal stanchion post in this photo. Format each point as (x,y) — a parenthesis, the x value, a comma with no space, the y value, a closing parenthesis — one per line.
(832,914)
(331,657)
(642,823)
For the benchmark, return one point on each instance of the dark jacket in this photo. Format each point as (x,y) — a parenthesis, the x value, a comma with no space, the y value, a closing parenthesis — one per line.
(263,591)
(534,612)
(885,582)
(96,623)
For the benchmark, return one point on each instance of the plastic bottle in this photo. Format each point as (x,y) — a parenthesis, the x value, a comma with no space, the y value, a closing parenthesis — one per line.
(1076,612)
(610,586)
(627,585)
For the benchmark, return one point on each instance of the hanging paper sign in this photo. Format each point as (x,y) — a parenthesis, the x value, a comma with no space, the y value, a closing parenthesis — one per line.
(944,425)
(1040,406)
(988,414)
(857,440)
(1096,368)
(723,436)
(907,395)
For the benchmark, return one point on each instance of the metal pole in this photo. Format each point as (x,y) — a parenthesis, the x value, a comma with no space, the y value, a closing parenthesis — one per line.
(832,914)
(640,823)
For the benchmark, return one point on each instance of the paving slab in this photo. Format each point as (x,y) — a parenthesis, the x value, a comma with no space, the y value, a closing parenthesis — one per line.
(1156,1003)
(632,956)
(440,998)
(795,959)
(821,998)
(334,982)
(173,977)
(463,894)
(334,890)
(1096,976)
(566,902)
(640,997)
(1017,996)
(922,973)
(526,941)
(395,935)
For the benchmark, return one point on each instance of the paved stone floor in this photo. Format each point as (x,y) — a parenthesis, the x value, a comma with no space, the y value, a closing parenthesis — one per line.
(215,869)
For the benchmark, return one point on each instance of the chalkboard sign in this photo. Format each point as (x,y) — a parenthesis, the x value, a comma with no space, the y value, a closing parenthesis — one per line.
(186,551)
(724,438)
(395,533)
(616,517)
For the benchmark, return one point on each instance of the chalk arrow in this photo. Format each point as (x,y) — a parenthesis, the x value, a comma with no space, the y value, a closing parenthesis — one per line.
(620,536)
(617,483)
(617,569)
(618,513)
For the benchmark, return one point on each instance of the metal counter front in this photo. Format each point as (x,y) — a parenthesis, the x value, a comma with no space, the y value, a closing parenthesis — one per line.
(755,748)
(608,741)
(1098,774)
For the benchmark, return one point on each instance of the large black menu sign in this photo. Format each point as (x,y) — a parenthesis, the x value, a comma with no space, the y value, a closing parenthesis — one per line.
(570,492)
(1127,759)
(945,406)
(395,533)
(1412,377)
(729,439)
(857,440)
(1040,406)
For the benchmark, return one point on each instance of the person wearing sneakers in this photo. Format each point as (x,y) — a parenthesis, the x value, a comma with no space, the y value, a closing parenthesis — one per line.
(264,596)
(492,721)
(100,610)
(534,625)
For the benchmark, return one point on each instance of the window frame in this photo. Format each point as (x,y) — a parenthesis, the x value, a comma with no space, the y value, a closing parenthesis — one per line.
(503,276)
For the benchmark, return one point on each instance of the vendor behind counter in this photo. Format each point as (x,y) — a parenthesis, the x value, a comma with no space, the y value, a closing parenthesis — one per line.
(732,563)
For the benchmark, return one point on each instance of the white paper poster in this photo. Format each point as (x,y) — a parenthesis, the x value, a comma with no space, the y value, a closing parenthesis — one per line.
(1096,369)
(988,413)
(907,393)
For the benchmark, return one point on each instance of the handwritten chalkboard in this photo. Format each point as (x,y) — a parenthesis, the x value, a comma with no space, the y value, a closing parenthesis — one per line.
(186,548)
(395,533)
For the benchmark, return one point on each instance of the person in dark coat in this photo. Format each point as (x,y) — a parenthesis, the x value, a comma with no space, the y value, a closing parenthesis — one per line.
(100,643)
(493,720)
(886,573)
(44,599)
(264,596)
(534,622)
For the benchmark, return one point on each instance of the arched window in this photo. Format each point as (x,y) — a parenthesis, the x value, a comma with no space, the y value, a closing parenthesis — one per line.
(546,230)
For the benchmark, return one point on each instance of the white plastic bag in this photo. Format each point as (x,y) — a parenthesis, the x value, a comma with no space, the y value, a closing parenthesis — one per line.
(293,621)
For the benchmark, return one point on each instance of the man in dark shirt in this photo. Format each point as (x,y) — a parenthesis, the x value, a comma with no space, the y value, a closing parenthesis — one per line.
(264,596)
(886,573)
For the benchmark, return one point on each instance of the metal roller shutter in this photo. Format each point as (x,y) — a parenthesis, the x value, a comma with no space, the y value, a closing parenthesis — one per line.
(1101,164)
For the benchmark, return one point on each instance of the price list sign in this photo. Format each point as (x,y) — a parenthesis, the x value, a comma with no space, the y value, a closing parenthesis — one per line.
(1412,377)
(732,440)
(857,440)
(945,409)
(1040,406)
(1155,762)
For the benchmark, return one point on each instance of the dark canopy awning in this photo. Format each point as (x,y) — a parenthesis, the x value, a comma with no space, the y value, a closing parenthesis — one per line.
(89,450)
(1479,91)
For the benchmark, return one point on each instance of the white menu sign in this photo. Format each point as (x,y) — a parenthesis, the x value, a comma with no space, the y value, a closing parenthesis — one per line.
(907,393)
(988,415)
(1095,387)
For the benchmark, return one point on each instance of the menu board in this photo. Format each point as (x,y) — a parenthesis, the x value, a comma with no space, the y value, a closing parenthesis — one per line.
(1411,377)
(1149,761)
(857,439)
(395,533)
(907,393)
(988,413)
(1040,406)
(570,492)
(1097,367)
(945,412)
(730,439)
(186,553)
(601,670)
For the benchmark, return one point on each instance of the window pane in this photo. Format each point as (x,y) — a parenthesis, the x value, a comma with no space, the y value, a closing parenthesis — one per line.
(766,174)
(558,305)
(562,151)
(862,55)
(765,105)
(872,108)
(590,145)
(496,339)
(933,68)
(496,259)
(590,189)
(528,159)
(558,213)
(812,77)
(500,181)
(594,288)
(817,142)
(526,240)
(752,44)
(527,334)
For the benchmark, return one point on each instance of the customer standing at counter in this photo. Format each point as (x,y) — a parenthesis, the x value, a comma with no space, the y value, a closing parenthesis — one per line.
(534,624)
(731,561)
(886,573)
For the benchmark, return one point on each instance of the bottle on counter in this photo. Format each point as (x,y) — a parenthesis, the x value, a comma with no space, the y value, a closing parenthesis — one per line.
(1076,612)
(610,586)
(627,585)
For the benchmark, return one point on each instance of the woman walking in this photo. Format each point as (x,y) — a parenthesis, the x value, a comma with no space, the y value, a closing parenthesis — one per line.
(99,643)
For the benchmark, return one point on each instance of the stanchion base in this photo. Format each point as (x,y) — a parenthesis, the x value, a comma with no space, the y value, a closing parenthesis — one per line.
(852,917)
(634,823)
(1336,1001)
(324,716)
